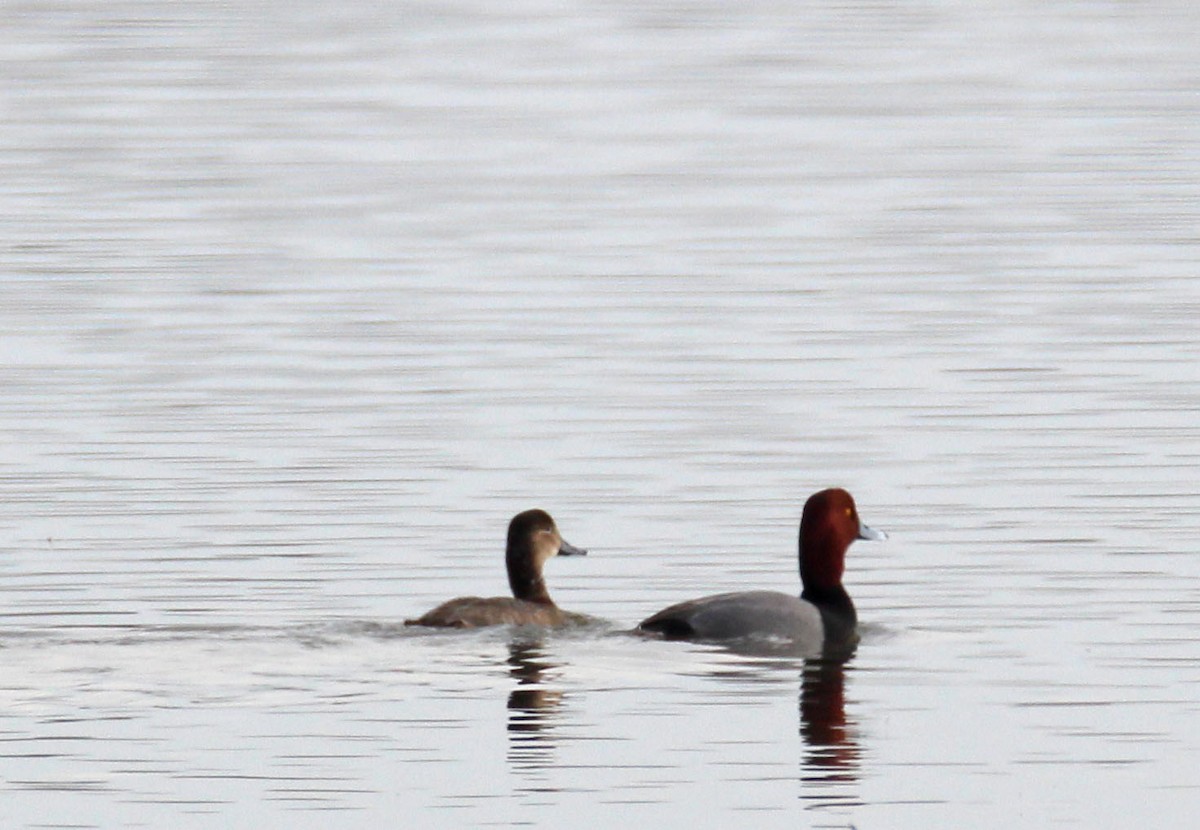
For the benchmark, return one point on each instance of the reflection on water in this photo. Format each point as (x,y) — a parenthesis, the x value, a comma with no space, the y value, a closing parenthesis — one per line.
(829,738)
(532,708)
(831,760)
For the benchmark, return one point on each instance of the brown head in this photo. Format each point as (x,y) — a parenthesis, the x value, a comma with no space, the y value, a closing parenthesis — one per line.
(533,538)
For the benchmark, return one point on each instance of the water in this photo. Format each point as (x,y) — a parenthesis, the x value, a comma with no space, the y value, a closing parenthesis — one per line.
(299,305)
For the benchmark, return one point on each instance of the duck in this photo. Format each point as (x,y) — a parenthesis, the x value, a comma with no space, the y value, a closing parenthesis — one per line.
(533,538)
(821,618)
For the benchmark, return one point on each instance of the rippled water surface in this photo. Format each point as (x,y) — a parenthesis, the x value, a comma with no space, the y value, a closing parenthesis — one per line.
(300,303)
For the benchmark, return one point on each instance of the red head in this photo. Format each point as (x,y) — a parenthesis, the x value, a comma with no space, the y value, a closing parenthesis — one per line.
(829,524)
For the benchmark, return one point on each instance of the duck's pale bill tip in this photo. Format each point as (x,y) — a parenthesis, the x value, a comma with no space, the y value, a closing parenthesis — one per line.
(870,533)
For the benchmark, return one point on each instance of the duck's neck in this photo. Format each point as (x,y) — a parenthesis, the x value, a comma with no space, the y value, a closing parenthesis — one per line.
(527,583)
(837,611)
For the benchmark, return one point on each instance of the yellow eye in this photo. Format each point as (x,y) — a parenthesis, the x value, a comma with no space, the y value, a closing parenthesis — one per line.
(849,511)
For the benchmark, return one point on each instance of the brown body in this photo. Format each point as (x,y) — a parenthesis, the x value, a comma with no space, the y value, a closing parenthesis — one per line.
(475,612)
(533,538)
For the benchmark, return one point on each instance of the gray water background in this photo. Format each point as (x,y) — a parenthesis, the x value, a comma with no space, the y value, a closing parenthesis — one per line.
(300,303)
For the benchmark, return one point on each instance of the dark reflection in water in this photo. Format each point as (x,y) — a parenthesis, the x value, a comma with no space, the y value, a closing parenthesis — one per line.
(831,759)
(829,773)
(532,708)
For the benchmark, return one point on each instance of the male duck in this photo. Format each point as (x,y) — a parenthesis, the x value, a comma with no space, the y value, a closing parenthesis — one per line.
(821,617)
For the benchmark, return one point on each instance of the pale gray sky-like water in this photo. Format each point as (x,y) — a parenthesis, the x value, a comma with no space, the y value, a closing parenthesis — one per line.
(299,305)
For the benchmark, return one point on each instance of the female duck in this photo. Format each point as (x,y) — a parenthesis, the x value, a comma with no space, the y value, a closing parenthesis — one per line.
(532,539)
(822,616)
